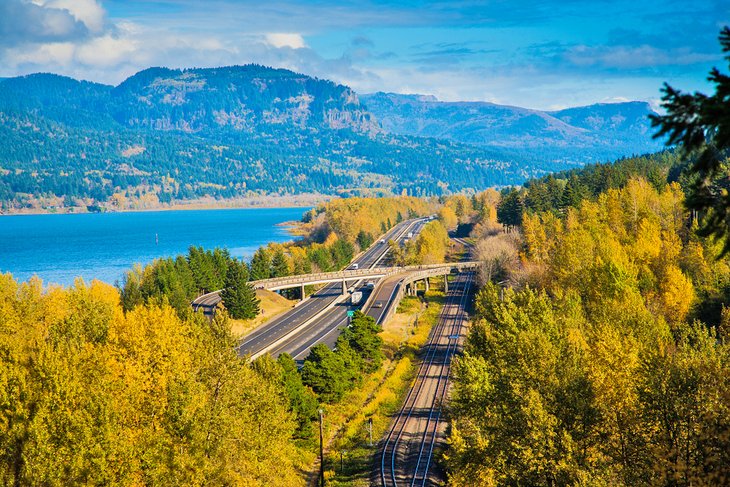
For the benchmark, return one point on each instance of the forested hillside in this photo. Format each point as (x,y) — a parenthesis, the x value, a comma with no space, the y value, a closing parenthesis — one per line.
(165,136)
(602,357)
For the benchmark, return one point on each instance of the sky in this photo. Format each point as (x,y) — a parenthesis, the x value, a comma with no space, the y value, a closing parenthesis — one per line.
(544,54)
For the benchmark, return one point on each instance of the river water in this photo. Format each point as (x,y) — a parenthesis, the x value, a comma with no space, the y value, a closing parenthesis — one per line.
(59,248)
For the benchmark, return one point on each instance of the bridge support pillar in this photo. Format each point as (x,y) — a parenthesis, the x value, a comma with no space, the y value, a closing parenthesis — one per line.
(425,282)
(446,283)
(302,293)
(344,287)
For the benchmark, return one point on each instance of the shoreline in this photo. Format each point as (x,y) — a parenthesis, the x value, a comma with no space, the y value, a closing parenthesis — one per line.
(300,201)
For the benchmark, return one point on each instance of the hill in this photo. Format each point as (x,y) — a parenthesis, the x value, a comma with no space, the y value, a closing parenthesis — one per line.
(166,135)
(575,135)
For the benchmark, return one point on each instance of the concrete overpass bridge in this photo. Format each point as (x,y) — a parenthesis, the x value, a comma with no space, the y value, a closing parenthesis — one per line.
(422,271)
(412,273)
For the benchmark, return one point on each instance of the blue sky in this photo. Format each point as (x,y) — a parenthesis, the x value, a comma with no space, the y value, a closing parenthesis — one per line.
(539,54)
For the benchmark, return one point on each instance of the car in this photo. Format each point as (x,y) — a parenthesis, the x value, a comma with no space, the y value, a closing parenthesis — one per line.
(382,240)
(355,266)
(370,284)
(378,304)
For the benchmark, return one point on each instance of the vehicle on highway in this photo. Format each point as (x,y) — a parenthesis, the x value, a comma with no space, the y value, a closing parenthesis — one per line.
(355,266)
(370,284)
(382,240)
(410,234)
(378,304)
(356,297)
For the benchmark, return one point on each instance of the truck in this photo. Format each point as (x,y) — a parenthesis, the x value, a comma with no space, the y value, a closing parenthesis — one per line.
(410,234)
(356,297)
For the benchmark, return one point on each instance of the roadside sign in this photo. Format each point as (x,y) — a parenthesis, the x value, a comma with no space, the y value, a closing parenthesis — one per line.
(350,314)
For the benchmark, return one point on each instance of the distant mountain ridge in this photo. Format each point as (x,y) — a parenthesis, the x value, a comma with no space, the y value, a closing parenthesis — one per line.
(167,135)
(610,130)
(191,100)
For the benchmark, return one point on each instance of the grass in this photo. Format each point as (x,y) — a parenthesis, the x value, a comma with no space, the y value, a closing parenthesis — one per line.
(380,395)
(271,305)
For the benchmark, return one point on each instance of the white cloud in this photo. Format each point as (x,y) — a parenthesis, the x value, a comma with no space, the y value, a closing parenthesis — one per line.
(89,12)
(106,51)
(281,39)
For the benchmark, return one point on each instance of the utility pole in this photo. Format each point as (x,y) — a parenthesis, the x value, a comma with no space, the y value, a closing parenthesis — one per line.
(370,430)
(321,449)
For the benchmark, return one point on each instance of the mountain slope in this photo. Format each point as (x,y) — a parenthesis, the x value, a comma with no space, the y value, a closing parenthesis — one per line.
(166,135)
(170,135)
(602,131)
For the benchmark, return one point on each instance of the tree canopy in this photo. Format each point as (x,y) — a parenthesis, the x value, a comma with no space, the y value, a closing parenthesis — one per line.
(700,125)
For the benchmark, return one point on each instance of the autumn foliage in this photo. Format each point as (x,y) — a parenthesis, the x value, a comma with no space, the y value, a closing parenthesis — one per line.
(91,395)
(594,369)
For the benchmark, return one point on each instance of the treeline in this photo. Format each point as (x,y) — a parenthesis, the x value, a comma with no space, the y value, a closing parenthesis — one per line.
(91,395)
(357,218)
(596,368)
(177,281)
(559,191)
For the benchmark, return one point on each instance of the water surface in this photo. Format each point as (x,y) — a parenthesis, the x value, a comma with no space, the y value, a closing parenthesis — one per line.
(59,248)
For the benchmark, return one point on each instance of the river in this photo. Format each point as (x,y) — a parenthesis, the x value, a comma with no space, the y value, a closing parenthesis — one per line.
(59,248)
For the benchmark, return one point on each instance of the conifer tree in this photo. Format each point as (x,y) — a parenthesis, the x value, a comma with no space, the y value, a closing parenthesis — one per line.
(261,265)
(239,297)
(279,265)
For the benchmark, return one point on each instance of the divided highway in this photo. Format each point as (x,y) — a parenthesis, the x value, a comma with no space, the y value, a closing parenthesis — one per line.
(406,453)
(318,318)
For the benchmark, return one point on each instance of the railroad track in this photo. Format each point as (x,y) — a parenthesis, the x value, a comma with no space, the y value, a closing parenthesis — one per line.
(407,453)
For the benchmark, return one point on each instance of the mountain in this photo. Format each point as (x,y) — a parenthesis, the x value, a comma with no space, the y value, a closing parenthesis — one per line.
(166,135)
(596,132)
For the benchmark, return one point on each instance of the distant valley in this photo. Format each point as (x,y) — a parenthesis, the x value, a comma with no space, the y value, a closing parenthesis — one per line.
(165,136)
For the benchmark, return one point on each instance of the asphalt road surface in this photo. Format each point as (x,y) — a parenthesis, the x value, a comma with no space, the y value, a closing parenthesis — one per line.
(288,332)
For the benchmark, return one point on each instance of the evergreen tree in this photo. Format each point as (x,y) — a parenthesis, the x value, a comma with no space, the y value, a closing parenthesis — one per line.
(364,239)
(700,125)
(509,211)
(279,265)
(362,337)
(302,400)
(239,297)
(261,265)
(575,192)
(326,372)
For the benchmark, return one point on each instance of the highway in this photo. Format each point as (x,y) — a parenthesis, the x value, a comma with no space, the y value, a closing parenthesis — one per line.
(406,454)
(326,328)
(288,332)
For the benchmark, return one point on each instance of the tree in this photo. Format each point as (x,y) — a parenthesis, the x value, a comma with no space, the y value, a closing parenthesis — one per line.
(327,373)
(700,125)
(279,264)
(260,265)
(364,239)
(129,290)
(362,337)
(239,297)
(302,400)
(509,211)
